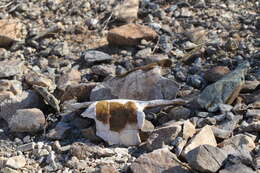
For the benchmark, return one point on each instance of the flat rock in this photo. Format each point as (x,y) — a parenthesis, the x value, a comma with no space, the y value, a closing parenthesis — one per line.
(10,102)
(161,160)
(130,34)
(179,113)
(137,85)
(16,162)
(204,136)
(9,68)
(200,157)
(10,31)
(27,120)
(224,90)
(93,56)
(188,129)
(127,10)
(163,136)
(216,73)
(237,168)
(70,78)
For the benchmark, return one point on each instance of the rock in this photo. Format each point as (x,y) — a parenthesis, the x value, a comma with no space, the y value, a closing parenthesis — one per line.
(221,133)
(200,157)
(137,85)
(161,160)
(107,169)
(94,56)
(49,98)
(16,162)
(250,86)
(163,136)
(8,170)
(2,162)
(104,70)
(59,132)
(35,78)
(130,35)
(27,120)
(9,68)
(70,78)
(10,32)
(88,150)
(237,168)
(26,147)
(239,140)
(146,130)
(80,92)
(254,113)
(179,113)
(224,90)
(127,10)
(188,129)
(252,127)
(10,103)
(12,86)
(204,136)
(239,146)
(216,73)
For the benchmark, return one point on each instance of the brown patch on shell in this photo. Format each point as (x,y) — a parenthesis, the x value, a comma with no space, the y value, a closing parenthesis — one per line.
(118,115)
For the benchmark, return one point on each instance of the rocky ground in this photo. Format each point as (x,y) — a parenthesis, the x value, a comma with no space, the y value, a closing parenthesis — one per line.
(58,52)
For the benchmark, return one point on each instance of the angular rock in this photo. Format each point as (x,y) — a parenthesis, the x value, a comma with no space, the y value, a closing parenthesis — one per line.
(179,113)
(137,85)
(161,160)
(9,68)
(27,120)
(94,56)
(204,136)
(71,78)
(163,136)
(16,162)
(224,90)
(127,10)
(237,168)
(48,97)
(216,73)
(104,70)
(10,31)
(35,78)
(80,92)
(107,169)
(130,35)
(188,129)
(206,158)
(9,103)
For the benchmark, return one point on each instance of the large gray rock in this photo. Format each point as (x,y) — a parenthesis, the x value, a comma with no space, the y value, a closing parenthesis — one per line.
(224,90)
(137,85)
(27,120)
(200,157)
(158,161)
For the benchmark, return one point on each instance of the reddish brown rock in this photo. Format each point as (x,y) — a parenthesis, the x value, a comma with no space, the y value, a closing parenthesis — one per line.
(216,73)
(130,34)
